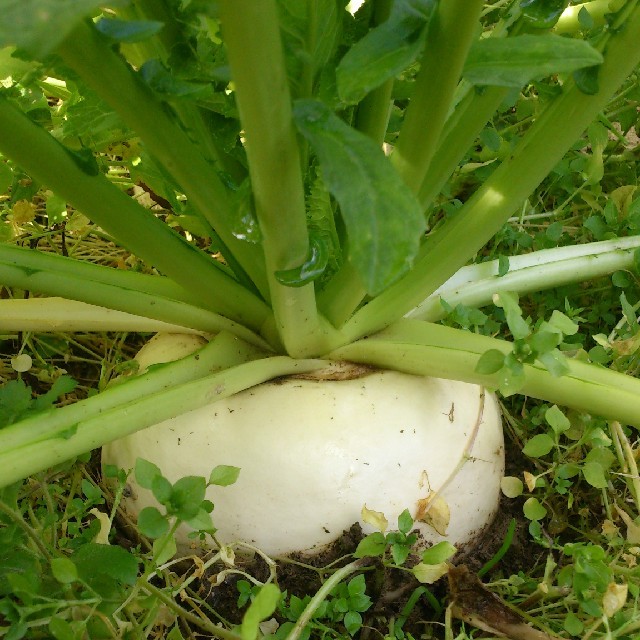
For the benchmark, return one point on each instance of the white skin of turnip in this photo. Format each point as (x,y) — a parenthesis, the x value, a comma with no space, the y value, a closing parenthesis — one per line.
(313,453)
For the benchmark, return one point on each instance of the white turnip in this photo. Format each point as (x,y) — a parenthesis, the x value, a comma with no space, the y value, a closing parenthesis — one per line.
(312,453)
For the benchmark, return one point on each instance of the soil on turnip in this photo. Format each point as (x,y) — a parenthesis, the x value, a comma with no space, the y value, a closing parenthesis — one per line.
(389,589)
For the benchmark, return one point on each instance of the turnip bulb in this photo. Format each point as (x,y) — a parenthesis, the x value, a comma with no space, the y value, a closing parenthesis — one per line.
(313,453)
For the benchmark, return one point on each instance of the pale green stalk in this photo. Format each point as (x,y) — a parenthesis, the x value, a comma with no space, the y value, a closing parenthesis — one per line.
(80,271)
(422,348)
(155,298)
(451,32)
(45,449)
(475,285)
(252,37)
(42,315)
(104,71)
(460,132)
(372,116)
(548,139)
(224,351)
(46,160)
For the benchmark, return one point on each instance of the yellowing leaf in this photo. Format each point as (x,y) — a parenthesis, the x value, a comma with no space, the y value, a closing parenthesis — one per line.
(614,598)
(374,518)
(429,573)
(609,529)
(633,530)
(102,537)
(511,486)
(23,211)
(529,480)
(434,511)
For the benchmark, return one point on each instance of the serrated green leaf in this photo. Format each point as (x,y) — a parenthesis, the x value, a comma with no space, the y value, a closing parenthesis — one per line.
(593,473)
(146,472)
(128,31)
(383,219)
(515,61)
(385,51)
(62,385)
(152,523)
(223,475)
(371,546)
(311,33)
(15,400)
(38,26)
(263,605)
(538,446)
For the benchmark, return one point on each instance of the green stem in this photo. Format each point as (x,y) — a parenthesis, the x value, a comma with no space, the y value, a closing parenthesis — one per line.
(422,348)
(202,623)
(490,207)
(322,594)
(451,33)
(475,285)
(35,447)
(147,296)
(104,71)
(34,535)
(252,37)
(63,267)
(222,352)
(48,161)
(341,295)
(373,112)
(42,315)
(460,132)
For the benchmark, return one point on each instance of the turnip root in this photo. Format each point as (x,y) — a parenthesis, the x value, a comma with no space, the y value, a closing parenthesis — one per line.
(313,453)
